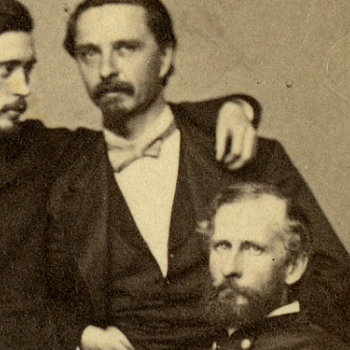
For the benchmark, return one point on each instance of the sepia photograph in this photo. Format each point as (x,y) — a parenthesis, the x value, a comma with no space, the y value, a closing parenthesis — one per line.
(174,175)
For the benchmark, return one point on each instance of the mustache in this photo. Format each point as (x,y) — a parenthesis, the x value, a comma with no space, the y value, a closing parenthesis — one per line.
(19,106)
(230,286)
(110,86)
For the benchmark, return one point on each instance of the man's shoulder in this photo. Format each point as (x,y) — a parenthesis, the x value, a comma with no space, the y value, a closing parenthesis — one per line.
(270,155)
(271,159)
(183,115)
(265,144)
(81,134)
(37,127)
(287,332)
(74,141)
(294,332)
(62,146)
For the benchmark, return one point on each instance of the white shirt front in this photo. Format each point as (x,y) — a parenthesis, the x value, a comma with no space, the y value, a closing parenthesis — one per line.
(148,185)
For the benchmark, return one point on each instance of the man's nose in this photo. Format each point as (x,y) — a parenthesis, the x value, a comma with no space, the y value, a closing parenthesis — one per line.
(109,65)
(233,265)
(20,83)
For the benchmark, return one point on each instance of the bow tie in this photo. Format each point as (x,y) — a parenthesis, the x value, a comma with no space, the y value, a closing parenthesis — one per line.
(122,152)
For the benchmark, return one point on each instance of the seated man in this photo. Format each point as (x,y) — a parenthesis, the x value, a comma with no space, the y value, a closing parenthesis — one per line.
(259,249)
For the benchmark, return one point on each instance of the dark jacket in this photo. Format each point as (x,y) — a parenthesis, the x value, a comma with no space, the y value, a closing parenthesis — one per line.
(287,332)
(102,270)
(27,160)
(30,161)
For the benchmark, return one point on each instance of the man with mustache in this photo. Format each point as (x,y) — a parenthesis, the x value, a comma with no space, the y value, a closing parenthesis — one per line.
(122,234)
(31,158)
(260,246)
(29,161)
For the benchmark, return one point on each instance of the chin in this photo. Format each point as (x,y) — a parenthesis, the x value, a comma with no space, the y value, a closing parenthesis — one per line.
(8,128)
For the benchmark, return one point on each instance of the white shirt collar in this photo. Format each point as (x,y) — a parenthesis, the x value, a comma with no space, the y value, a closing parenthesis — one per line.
(291,308)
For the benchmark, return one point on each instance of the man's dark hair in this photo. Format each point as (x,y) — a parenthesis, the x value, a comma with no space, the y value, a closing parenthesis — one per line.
(158,20)
(296,228)
(14,17)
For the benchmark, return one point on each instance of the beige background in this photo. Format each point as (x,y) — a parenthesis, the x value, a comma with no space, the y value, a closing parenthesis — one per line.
(292,55)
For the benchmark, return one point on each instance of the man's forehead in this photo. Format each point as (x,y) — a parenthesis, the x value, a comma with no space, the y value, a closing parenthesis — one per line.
(111,21)
(16,46)
(252,218)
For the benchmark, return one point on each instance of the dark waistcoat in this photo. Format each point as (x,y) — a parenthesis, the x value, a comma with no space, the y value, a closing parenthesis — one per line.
(101,271)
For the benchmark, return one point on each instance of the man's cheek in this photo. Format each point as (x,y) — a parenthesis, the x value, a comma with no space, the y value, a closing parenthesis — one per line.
(215,271)
(3,96)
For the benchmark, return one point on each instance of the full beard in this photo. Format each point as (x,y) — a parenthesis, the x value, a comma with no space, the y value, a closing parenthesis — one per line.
(233,307)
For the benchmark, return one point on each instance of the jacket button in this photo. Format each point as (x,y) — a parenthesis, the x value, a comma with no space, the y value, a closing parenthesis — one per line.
(246,344)
(172,256)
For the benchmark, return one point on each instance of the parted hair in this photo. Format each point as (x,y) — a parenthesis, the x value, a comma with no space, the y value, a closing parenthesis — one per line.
(158,20)
(14,17)
(296,228)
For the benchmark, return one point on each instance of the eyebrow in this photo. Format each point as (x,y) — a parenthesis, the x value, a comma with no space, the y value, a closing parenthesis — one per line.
(214,242)
(132,42)
(117,44)
(82,47)
(30,62)
(256,244)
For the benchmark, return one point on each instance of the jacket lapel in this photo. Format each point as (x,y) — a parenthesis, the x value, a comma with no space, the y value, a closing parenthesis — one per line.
(198,167)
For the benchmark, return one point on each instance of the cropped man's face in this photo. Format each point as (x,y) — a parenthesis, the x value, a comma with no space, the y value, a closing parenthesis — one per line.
(119,59)
(248,258)
(17,58)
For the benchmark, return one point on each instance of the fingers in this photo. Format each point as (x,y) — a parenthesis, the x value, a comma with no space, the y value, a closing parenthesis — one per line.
(95,338)
(235,136)
(117,339)
(235,145)
(247,150)
(92,338)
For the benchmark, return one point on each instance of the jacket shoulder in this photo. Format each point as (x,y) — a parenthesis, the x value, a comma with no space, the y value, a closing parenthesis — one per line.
(297,336)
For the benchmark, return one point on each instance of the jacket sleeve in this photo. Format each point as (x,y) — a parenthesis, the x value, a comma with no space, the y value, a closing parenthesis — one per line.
(204,114)
(325,288)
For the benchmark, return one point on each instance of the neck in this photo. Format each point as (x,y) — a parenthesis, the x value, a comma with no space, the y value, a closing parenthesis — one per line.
(135,124)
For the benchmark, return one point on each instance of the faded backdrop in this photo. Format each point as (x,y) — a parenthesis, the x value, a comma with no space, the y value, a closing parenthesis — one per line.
(292,55)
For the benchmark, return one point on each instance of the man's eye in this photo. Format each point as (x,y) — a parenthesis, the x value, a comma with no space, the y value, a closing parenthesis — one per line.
(253,248)
(127,49)
(87,54)
(222,246)
(6,69)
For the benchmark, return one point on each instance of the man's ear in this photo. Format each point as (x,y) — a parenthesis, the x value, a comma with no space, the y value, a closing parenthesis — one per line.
(296,269)
(167,61)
